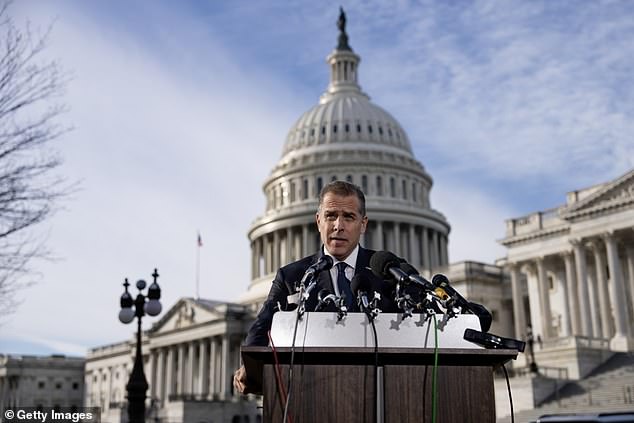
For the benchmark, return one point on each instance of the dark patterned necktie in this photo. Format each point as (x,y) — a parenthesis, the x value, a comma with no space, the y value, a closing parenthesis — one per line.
(344,285)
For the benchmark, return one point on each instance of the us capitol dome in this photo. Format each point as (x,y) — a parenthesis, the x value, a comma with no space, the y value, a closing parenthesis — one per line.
(346,136)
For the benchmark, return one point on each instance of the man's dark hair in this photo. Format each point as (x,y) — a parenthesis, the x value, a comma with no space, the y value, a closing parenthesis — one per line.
(343,189)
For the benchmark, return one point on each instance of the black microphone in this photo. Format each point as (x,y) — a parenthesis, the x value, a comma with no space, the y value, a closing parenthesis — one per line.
(443,289)
(324,297)
(324,263)
(415,277)
(386,265)
(361,286)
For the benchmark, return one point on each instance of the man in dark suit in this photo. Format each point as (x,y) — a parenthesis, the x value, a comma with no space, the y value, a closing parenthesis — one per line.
(341,219)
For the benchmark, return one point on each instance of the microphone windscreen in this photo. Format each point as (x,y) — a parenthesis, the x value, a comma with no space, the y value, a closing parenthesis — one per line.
(439,280)
(381,261)
(361,282)
(324,263)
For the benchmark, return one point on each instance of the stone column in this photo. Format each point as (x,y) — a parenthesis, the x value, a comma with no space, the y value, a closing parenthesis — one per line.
(289,245)
(378,239)
(151,376)
(582,286)
(253,260)
(226,371)
(213,374)
(544,298)
(444,260)
(297,247)
(276,250)
(266,244)
(191,363)
(160,372)
(630,271)
(425,249)
(397,239)
(169,374)
(518,302)
(434,249)
(305,251)
(606,328)
(203,368)
(182,373)
(621,340)
(413,254)
(571,282)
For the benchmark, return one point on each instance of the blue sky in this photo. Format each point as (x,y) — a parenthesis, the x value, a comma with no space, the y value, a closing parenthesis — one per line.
(181,109)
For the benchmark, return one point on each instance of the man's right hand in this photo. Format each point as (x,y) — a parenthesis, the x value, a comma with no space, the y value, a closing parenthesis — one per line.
(240,381)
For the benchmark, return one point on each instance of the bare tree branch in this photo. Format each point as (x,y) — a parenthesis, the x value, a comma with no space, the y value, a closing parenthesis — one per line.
(30,91)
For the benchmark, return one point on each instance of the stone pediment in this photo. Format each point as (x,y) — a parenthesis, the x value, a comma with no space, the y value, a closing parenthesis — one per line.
(615,194)
(189,312)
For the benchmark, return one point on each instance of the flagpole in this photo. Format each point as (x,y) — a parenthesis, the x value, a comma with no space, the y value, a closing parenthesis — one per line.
(198,245)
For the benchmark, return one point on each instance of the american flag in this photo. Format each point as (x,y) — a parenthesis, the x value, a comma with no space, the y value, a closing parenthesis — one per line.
(200,240)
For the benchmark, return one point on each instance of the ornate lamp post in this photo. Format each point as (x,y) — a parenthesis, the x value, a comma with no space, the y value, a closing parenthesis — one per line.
(137,385)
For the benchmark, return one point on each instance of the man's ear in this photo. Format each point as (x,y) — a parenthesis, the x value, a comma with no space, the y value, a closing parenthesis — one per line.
(364,224)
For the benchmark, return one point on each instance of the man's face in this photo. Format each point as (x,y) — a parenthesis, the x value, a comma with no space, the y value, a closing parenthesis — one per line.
(340,224)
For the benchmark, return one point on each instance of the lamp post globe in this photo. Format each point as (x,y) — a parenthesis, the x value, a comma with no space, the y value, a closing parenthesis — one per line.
(130,308)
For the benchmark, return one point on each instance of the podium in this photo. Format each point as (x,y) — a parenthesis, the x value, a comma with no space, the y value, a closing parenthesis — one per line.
(342,384)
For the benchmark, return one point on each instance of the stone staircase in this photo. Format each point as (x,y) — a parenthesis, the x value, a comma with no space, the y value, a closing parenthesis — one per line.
(609,387)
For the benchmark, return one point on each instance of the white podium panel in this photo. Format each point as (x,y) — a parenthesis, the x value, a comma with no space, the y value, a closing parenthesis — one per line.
(320,329)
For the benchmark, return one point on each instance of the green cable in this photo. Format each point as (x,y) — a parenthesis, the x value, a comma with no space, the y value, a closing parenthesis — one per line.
(434,397)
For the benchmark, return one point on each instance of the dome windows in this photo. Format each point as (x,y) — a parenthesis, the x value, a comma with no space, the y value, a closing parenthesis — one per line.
(347,128)
(379,186)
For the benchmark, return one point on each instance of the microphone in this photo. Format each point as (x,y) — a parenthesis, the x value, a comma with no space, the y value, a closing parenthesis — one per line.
(360,286)
(388,266)
(325,297)
(444,291)
(414,277)
(324,263)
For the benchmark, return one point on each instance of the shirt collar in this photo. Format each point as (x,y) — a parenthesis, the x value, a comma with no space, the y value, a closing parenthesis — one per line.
(351,260)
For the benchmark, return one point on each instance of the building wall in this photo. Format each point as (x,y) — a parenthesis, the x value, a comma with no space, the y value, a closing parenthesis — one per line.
(30,381)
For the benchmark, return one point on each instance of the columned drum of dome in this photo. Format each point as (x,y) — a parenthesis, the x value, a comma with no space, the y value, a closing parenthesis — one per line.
(346,137)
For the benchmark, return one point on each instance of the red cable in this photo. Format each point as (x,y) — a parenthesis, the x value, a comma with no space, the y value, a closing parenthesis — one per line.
(278,376)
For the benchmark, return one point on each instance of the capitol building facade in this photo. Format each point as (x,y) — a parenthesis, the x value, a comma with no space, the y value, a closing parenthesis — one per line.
(568,272)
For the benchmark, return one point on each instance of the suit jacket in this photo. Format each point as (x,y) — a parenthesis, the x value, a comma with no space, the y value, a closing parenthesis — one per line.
(284,285)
